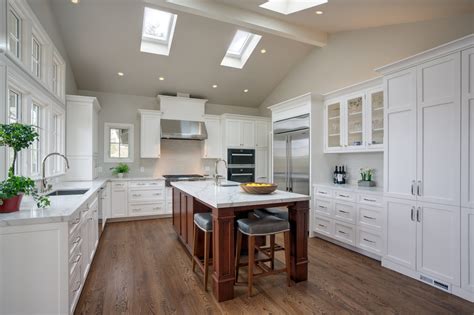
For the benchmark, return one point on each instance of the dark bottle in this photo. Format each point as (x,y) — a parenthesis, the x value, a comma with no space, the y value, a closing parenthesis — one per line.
(339,175)
(343,172)
(334,176)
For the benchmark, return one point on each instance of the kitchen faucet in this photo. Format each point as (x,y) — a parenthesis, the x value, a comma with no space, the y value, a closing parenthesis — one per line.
(44,182)
(216,171)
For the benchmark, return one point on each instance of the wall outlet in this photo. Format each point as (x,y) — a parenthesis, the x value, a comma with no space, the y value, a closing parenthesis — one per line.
(142,169)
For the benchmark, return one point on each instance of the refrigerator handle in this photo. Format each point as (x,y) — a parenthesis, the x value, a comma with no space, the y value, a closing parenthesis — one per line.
(287,179)
(290,166)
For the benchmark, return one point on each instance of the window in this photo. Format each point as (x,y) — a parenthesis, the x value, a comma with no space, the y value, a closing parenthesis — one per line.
(14,33)
(56,142)
(35,152)
(36,57)
(55,79)
(14,112)
(289,6)
(157,32)
(240,49)
(118,142)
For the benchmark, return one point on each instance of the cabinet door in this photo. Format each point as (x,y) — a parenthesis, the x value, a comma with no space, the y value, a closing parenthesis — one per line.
(467,148)
(401,232)
(467,249)
(400,137)
(438,131)
(261,134)
(261,165)
(247,133)
(354,121)
(119,202)
(438,241)
(150,136)
(95,131)
(85,246)
(212,145)
(374,126)
(177,211)
(233,133)
(333,126)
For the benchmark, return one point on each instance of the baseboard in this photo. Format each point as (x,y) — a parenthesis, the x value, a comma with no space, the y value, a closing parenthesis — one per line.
(139,218)
(464,294)
(346,246)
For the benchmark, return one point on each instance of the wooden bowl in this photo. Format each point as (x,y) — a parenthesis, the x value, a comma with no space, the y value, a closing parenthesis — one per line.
(259,190)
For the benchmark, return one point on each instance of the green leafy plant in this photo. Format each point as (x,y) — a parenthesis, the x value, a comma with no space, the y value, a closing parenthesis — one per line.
(121,168)
(366,174)
(18,137)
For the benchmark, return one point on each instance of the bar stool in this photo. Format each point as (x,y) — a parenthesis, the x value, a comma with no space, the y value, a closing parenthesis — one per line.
(202,221)
(268,225)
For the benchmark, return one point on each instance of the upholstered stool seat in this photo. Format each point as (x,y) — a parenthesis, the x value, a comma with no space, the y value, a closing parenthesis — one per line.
(203,222)
(281,213)
(263,226)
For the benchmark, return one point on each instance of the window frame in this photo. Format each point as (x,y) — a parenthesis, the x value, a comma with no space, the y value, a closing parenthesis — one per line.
(21,109)
(43,138)
(131,135)
(36,61)
(17,38)
(57,141)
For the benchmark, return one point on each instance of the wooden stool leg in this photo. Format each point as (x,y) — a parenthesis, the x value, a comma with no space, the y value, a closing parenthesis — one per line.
(251,250)
(237,255)
(194,246)
(287,257)
(272,251)
(207,245)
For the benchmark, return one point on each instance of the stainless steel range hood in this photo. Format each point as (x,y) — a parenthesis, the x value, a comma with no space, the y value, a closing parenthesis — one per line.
(183,129)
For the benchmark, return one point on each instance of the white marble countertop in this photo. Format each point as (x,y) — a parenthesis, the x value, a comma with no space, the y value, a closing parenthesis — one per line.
(354,188)
(233,196)
(131,178)
(61,209)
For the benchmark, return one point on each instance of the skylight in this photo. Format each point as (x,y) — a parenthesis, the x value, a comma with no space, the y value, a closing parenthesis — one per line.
(157,32)
(290,6)
(240,49)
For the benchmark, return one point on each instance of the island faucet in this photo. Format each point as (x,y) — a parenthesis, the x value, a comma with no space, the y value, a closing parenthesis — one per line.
(44,182)
(216,171)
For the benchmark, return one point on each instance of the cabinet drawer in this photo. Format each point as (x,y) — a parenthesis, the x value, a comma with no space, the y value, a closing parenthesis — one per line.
(74,240)
(146,209)
(324,207)
(345,211)
(371,217)
(345,195)
(369,199)
(74,222)
(74,287)
(324,192)
(119,186)
(152,184)
(145,195)
(344,232)
(75,258)
(370,241)
(324,225)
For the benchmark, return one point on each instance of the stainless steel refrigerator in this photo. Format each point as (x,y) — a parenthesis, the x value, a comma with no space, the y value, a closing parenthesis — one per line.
(291,154)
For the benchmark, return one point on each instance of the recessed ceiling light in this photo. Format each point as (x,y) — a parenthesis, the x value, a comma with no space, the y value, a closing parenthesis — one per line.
(263,51)
(246,90)
(319,12)
(214,86)
(161,78)
(121,74)
(75,1)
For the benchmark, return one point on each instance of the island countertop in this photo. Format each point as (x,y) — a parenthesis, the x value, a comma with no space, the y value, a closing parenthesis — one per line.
(232,196)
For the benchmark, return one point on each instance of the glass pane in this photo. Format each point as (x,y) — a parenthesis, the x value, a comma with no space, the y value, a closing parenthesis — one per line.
(114,150)
(34,115)
(114,135)
(13,105)
(157,24)
(123,136)
(238,42)
(334,125)
(354,121)
(124,151)
(377,117)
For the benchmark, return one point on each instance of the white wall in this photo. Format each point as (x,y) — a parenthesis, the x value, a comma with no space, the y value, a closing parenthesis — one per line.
(350,57)
(42,10)
(177,156)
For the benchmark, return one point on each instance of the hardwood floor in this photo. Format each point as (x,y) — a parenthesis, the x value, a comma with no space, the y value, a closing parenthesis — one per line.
(141,268)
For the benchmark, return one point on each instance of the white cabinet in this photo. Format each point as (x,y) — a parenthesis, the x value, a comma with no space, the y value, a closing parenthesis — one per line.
(119,202)
(239,133)
(354,120)
(467,147)
(261,165)
(106,203)
(82,137)
(212,145)
(262,130)
(467,251)
(150,133)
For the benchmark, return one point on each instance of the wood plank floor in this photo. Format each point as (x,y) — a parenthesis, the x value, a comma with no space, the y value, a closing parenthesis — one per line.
(140,268)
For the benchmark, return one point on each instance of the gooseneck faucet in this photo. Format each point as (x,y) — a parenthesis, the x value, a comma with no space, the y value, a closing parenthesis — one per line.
(216,171)
(44,182)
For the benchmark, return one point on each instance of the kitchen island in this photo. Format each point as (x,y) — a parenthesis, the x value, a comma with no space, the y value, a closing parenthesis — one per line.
(226,203)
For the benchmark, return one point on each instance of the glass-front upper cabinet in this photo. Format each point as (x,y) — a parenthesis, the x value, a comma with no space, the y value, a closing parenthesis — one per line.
(375,126)
(355,120)
(333,125)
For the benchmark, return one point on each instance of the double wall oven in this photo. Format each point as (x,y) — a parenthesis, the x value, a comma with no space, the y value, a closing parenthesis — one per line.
(241,165)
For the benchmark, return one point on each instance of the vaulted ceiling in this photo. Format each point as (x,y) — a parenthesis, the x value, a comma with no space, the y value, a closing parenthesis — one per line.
(102,38)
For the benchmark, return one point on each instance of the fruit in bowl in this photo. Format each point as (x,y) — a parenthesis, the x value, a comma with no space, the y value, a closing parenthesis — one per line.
(259,188)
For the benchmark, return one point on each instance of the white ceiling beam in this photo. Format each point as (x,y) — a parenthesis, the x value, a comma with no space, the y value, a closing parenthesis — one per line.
(247,19)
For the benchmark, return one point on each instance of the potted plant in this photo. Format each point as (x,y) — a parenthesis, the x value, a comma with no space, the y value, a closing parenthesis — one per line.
(120,170)
(17,137)
(366,174)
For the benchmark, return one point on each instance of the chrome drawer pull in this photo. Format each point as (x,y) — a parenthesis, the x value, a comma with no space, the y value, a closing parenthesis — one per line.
(136,195)
(412,215)
(78,239)
(342,211)
(342,232)
(322,192)
(76,222)
(418,190)
(344,196)
(137,209)
(78,257)
(413,187)
(157,208)
(370,200)
(78,286)
(323,207)
(369,241)
(418,214)
(321,225)
(157,194)
(370,218)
